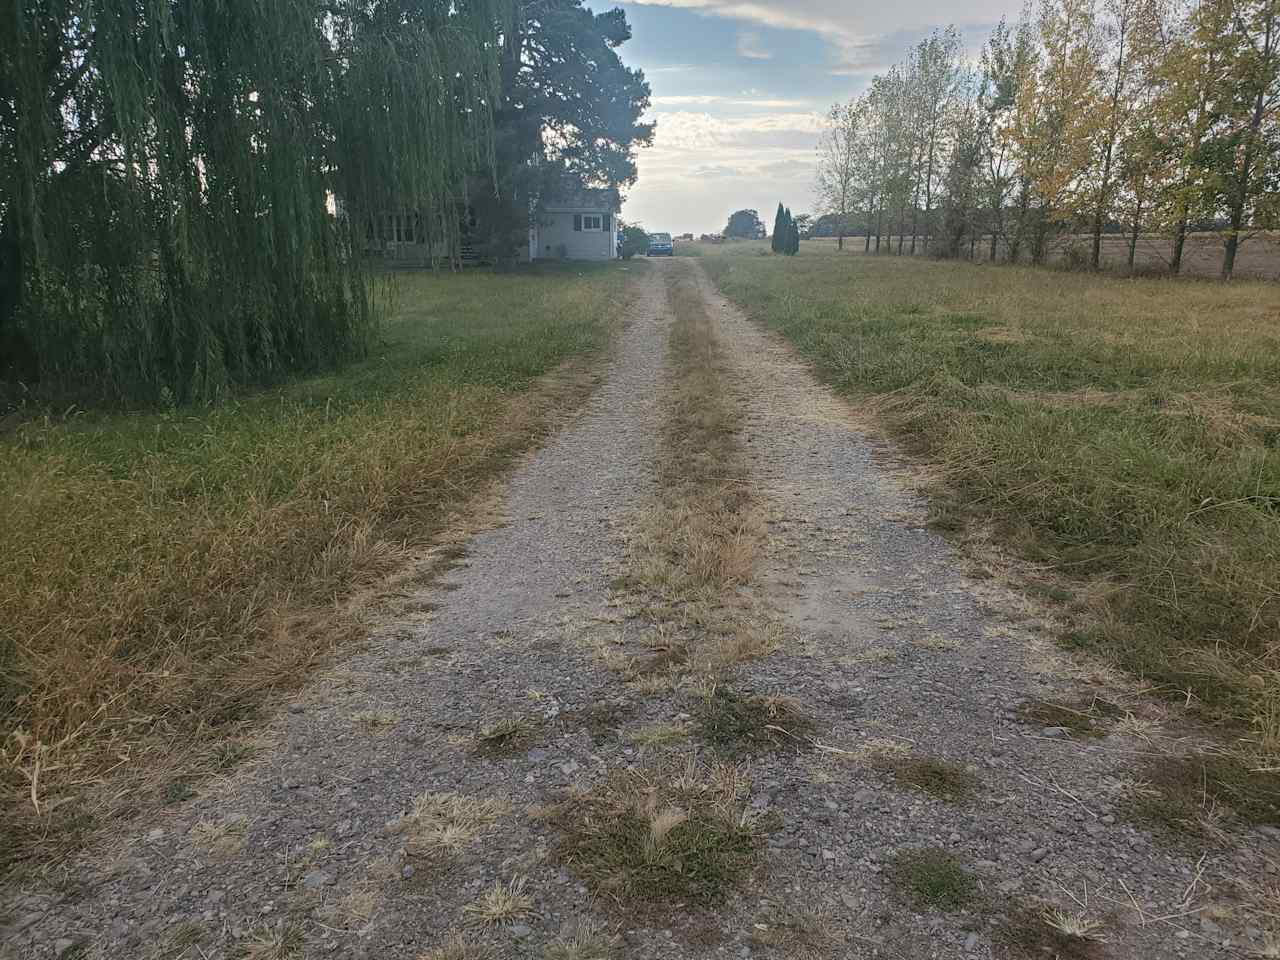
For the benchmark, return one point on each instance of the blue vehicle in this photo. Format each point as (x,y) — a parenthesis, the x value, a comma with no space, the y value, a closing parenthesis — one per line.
(660,245)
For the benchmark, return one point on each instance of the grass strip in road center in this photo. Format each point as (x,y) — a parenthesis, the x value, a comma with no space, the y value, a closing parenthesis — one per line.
(696,545)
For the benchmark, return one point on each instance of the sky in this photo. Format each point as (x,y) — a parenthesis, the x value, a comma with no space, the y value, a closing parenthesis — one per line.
(740,88)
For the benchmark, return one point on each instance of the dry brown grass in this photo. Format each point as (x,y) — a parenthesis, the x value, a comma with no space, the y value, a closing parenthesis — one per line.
(174,571)
(220,838)
(587,939)
(698,542)
(501,903)
(457,948)
(281,943)
(799,933)
(442,823)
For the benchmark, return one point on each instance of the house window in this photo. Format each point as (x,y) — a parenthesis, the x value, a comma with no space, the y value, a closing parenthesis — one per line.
(591,221)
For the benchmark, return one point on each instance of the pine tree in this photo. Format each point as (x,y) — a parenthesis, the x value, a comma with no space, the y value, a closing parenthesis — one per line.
(791,239)
(779,230)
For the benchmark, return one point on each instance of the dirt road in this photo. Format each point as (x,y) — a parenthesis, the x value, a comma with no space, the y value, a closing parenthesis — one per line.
(915,797)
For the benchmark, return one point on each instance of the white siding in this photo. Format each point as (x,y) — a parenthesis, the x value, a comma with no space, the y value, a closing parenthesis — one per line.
(554,231)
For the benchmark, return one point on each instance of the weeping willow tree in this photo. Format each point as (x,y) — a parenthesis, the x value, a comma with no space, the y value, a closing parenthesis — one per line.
(171,174)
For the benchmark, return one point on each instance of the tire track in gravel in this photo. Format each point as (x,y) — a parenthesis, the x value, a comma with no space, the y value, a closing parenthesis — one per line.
(302,852)
(900,656)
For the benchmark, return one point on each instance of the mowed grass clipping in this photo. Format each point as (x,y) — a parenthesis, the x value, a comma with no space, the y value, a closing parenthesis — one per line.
(1126,433)
(162,571)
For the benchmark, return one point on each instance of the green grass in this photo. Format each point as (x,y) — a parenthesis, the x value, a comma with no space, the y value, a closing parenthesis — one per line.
(737,725)
(1185,793)
(659,839)
(934,878)
(1085,719)
(164,570)
(1125,433)
(939,778)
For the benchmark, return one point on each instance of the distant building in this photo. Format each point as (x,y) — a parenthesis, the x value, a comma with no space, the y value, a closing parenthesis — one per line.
(575,224)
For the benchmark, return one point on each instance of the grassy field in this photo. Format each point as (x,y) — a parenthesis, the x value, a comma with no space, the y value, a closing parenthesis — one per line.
(163,573)
(1257,259)
(1123,433)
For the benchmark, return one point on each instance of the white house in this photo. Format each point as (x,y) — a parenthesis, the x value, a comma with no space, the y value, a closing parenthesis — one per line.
(576,224)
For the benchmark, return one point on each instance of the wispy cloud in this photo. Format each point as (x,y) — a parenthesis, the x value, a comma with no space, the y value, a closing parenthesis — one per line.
(709,99)
(750,47)
(855,32)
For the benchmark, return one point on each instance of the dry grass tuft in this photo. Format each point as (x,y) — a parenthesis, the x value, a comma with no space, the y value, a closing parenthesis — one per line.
(1038,932)
(457,948)
(1072,925)
(659,838)
(220,838)
(1084,719)
(178,943)
(442,823)
(507,737)
(585,940)
(356,908)
(660,734)
(283,943)
(500,904)
(799,933)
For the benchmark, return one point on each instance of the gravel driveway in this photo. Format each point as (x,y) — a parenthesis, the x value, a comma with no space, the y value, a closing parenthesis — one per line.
(495,690)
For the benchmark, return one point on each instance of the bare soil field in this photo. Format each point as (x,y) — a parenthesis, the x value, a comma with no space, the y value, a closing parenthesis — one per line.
(699,681)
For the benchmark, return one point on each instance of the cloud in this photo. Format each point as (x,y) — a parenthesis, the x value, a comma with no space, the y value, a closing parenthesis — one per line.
(856,32)
(694,130)
(750,47)
(709,99)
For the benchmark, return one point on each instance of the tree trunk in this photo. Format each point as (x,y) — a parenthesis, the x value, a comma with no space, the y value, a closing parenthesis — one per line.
(1241,196)
(1179,242)
(1133,237)
(1099,214)
(1095,255)
(1015,242)
(928,195)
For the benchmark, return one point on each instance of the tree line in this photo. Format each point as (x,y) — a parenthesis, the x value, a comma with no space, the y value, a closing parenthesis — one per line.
(185,187)
(1086,117)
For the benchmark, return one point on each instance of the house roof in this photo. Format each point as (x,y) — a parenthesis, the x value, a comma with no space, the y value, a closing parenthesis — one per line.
(588,199)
